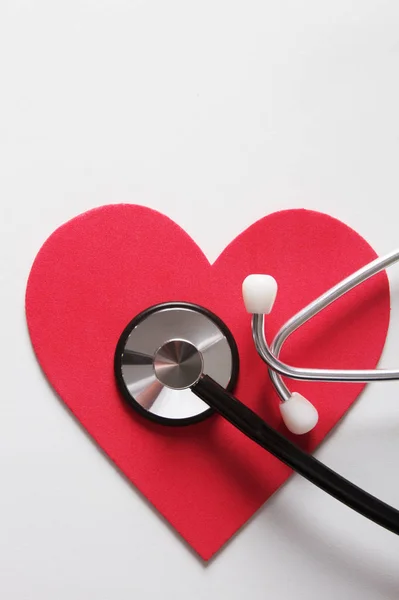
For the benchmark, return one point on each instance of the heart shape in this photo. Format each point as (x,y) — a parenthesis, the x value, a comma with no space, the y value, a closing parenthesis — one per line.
(95,273)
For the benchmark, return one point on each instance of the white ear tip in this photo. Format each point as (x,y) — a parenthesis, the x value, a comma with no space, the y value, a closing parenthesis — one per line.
(299,415)
(259,293)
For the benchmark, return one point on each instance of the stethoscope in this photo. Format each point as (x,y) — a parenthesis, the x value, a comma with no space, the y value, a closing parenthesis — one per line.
(176,363)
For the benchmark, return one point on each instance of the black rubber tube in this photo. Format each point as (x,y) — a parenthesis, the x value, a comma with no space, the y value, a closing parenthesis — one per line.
(300,461)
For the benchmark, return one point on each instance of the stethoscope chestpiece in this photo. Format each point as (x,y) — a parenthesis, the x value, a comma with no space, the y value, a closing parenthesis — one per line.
(164,351)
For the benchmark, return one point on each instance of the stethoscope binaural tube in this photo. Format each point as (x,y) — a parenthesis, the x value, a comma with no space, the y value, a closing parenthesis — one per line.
(297,412)
(251,425)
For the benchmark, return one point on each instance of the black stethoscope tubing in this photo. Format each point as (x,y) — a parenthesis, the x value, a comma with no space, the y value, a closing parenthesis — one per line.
(251,425)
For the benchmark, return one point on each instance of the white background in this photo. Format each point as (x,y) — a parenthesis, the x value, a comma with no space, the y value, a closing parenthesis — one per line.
(215,112)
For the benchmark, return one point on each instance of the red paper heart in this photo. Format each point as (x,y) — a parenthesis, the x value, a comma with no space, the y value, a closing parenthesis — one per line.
(94,274)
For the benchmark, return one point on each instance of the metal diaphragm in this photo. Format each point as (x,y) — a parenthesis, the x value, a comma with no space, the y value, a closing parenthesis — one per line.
(164,351)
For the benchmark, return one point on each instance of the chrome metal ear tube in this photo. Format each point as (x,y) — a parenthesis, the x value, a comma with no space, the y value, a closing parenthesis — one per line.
(270,354)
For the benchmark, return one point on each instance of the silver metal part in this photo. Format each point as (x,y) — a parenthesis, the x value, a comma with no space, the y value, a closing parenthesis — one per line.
(178,364)
(270,354)
(166,353)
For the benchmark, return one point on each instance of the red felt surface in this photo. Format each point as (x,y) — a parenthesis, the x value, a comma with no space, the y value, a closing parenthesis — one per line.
(94,274)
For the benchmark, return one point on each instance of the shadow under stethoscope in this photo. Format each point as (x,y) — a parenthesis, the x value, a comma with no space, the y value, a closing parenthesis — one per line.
(369,558)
